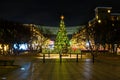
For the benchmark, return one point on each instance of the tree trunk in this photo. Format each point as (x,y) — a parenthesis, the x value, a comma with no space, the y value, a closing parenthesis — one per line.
(93,57)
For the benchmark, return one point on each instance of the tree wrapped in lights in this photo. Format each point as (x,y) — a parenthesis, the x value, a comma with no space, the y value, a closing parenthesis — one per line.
(62,41)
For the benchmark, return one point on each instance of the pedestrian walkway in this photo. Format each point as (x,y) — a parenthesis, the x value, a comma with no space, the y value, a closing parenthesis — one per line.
(34,69)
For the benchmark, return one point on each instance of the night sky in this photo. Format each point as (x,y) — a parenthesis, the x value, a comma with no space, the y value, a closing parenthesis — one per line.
(47,12)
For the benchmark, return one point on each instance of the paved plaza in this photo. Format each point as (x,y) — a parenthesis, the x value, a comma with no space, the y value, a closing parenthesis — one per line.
(69,69)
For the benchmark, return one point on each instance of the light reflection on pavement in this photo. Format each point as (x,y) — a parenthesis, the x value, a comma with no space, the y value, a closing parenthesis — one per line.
(68,70)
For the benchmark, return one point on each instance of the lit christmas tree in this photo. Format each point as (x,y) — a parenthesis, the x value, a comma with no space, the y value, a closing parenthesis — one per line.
(62,41)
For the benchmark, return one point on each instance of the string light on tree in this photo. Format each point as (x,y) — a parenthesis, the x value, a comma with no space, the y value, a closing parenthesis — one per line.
(62,41)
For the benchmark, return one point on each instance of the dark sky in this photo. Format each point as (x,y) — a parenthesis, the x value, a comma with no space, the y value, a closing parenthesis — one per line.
(47,12)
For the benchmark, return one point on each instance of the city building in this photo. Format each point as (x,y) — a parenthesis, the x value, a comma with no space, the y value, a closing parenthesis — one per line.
(105,17)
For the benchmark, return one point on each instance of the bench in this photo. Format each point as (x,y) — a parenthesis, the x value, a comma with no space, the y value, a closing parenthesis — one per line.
(6,62)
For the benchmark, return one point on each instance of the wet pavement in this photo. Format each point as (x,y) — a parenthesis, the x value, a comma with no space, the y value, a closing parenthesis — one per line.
(69,69)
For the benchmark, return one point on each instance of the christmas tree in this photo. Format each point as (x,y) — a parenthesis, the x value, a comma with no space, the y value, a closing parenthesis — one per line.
(62,41)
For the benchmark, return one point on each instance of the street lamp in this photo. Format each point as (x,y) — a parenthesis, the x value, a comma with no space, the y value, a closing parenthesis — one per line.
(108,11)
(99,21)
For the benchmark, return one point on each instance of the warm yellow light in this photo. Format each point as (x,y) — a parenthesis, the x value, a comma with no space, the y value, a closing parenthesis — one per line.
(5,48)
(62,17)
(97,16)
(109,11)
(0,46)
(113,25)
(99,21)
(89,24)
